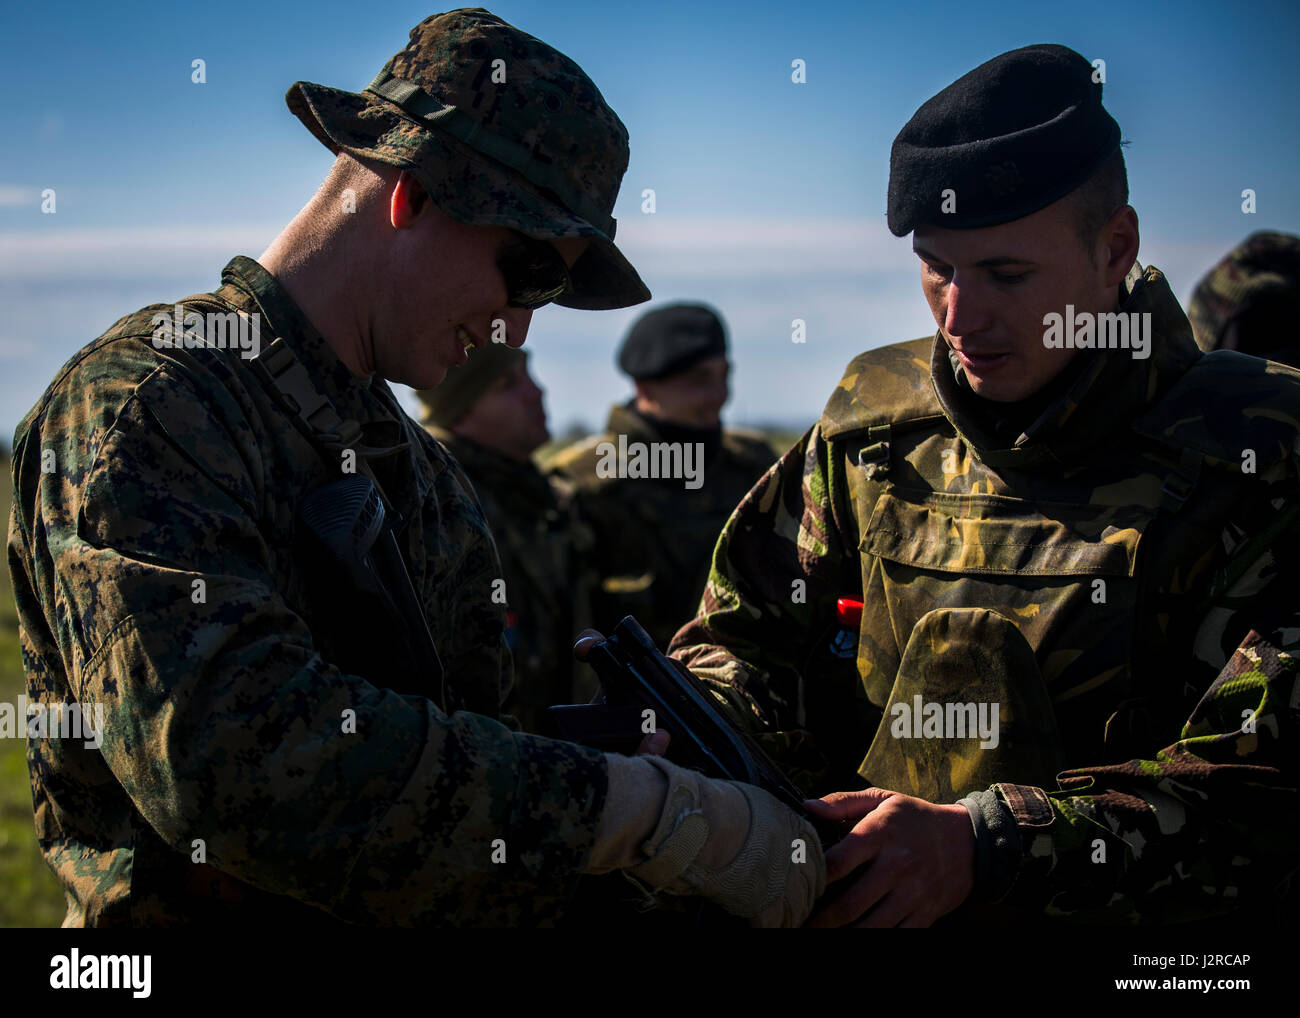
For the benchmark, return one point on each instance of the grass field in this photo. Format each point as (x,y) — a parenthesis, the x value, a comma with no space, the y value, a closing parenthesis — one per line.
(29,894)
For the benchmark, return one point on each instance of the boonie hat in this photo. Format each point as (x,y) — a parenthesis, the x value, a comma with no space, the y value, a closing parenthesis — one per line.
(501,130)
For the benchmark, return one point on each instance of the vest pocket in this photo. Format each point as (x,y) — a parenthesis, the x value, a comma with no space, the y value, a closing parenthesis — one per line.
(1063,574)
(968,709)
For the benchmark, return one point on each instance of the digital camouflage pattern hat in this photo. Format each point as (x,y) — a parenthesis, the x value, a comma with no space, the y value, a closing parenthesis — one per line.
(1256,286)
(501,130)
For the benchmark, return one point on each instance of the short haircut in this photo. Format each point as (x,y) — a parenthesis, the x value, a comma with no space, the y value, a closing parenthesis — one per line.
(1096,199)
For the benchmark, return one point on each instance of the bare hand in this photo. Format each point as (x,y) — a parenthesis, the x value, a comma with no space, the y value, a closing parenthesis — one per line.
(587,639)
(919,859)
(654,744)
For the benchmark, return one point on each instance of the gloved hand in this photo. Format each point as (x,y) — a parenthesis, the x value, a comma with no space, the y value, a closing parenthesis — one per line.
(733,844)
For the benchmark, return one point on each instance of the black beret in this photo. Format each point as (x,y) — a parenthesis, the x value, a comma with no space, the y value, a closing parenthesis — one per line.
(670,339)
(1009,138)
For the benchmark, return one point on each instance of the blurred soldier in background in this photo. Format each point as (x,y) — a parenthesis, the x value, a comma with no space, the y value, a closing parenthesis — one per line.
(655,534)
(1250,301)
(488,413)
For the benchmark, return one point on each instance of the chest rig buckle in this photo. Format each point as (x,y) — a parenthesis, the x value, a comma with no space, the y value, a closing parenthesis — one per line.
(874,457)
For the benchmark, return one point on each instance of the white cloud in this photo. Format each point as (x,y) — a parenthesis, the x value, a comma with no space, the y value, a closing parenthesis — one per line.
(53,254)
(15,197)
(667,250)
(743,248)
(673,256)
(855,285)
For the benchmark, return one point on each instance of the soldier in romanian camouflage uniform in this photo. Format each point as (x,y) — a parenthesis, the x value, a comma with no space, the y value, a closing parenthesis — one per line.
(655,535)
(1100,544)
(1250,301)
(244,774)
(489,416)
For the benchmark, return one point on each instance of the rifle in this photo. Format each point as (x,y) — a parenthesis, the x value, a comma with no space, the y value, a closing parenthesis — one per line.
(644,691)
(346,525)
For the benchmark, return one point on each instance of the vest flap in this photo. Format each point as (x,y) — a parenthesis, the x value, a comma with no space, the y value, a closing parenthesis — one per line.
(888,385)
(989,535)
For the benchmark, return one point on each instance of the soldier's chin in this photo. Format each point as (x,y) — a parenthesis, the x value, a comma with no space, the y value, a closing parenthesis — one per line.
(429,377)
(998,389)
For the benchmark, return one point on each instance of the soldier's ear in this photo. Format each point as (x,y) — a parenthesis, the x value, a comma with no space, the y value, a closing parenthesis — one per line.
(1120,237)
(407,201)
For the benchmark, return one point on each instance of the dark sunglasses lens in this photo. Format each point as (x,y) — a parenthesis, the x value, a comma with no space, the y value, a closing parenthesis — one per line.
(534,298)
(534,272)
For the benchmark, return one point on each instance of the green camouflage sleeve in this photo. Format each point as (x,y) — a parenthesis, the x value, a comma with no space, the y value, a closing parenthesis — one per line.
(1208,824)
(778,568)
(220,720)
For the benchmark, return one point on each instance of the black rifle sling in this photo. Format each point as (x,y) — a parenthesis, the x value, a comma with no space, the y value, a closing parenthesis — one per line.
(331,434)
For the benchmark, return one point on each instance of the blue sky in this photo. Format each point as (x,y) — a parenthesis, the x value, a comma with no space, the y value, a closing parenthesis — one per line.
(770,195)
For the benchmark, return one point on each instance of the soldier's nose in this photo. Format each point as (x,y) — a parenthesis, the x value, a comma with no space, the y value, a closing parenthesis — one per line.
(966,312)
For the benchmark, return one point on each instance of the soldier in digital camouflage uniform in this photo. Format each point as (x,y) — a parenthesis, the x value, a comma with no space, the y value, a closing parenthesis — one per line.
(489,415)
(244,774)
(1250,301)
(1102,544)
(655,535)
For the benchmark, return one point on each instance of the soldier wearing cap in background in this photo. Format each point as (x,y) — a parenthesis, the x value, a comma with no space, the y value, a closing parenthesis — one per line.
(489,415)
(677,357)
(1250,301)
(1076,567)
(242,773)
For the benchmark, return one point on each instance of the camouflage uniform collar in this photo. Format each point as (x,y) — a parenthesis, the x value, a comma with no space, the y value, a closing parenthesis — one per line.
(509,480)
(1107,394)
(245,283)
(625,419)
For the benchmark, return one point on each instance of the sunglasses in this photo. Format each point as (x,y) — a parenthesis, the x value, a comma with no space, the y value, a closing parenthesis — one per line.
(534,272)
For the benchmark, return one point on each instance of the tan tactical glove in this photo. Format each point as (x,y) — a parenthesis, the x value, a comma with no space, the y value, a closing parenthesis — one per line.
(683,833)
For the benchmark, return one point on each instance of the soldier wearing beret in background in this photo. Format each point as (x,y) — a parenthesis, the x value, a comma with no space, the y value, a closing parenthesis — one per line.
(266,754)
(1074,694)
(1250,301)
(488,413)
(655,535)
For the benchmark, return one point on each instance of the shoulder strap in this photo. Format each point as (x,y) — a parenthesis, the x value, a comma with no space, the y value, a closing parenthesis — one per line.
(312,413)
(1181,480)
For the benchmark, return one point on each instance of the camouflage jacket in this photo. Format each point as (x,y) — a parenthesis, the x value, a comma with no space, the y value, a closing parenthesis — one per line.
(1139,537)
(545,553)
(242,774)
(654,535)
